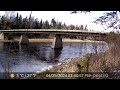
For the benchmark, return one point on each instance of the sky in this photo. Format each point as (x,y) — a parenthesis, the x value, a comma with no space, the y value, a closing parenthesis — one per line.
(67,17)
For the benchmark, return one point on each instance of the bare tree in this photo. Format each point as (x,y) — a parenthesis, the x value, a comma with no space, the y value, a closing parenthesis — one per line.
(10,13)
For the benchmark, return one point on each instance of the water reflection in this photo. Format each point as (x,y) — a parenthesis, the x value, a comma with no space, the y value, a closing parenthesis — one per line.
(56,54)
(35,56)
(1,45)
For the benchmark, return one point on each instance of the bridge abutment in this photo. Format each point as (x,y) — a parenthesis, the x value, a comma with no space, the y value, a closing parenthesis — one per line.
(57,42)
(24,39)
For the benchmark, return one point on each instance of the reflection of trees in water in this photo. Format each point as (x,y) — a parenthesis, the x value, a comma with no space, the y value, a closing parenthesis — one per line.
(7,61)
(1,46)
(36,51)
(98,47)
(45,53)
(42,52)
(102,47)
(12,53)
(28,52)
(85,48)
(94,47)
(11,46)
(80,48)
(15,53)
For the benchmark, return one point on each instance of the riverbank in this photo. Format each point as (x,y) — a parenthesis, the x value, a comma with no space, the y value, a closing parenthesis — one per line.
(69,65)
(51,40)
(78,68)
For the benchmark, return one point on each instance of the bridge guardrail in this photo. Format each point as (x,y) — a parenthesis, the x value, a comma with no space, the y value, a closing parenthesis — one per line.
(48,30)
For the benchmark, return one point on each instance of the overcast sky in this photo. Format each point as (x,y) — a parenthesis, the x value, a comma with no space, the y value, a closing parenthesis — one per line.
(67,17)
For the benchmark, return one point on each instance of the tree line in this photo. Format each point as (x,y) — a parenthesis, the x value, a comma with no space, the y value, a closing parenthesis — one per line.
(18,22)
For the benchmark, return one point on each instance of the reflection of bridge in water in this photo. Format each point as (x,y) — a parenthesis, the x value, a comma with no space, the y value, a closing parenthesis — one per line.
(57,41)
(31,50)
(33,55)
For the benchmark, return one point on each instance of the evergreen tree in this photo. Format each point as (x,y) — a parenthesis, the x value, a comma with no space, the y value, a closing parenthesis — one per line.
(36,24)
(20,21)
(16,22)
(86,28)
(46,25)
(40,24)
(2,22)
(53,23)
(81,27)
(71,27)
(77,28)
(64,26)
(25,23)
(43,25)
(59,26)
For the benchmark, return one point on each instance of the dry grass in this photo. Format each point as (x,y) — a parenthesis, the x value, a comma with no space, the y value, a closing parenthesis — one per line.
(110,60)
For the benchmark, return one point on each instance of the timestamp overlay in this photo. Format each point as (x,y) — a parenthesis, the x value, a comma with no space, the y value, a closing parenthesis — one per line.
(113,75)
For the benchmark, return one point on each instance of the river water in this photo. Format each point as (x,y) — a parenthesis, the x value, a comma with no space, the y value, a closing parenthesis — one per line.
(37,56)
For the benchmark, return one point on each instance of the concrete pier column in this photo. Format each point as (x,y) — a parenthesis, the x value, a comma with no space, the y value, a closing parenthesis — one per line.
(1,36)
(57,42)
(23,39)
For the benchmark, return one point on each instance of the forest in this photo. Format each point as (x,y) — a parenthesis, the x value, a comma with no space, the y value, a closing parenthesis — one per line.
(19,22)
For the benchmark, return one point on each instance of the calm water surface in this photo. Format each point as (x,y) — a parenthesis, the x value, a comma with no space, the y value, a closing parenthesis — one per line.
(36,56)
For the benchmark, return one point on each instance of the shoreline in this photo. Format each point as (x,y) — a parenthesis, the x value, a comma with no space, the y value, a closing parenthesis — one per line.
(69,65)
(51,40)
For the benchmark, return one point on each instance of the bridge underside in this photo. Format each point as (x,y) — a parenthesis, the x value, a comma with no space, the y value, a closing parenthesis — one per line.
(57,40)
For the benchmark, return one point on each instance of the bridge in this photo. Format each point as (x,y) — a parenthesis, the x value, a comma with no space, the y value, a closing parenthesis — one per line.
(57,41)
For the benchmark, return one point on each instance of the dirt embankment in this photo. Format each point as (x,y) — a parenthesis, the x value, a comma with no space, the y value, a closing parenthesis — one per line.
(69,65)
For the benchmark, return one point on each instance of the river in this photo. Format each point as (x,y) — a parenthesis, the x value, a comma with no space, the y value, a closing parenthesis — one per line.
(37,56)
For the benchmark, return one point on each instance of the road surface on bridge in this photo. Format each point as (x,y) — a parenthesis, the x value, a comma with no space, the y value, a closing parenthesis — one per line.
(53,31)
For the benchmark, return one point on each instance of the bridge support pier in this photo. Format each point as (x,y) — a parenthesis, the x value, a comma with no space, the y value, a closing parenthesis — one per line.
(23,39)
(1,36)
(57,42)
